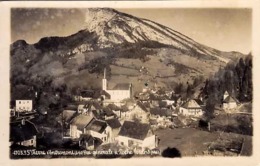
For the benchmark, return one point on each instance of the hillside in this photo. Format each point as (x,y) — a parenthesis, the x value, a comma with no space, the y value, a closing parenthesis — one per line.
(132,49)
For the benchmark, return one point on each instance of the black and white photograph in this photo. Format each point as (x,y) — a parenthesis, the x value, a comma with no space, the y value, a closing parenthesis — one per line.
(128,83)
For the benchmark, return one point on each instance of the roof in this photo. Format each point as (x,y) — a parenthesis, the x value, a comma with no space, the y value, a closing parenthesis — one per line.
(108,112)
(81,106)
(161,111)
(81,121)
(87,93)
(226,93)
(113,107)
(97,125)
(87,138)
(199,101)
(191,104)
(71,107)
(67,115)
(97,105)
(134,130)
(158,97)
(121,86)
(124,108)
(21,132)
(142,106)
(229,99)
(103,92)
(113,123)
(96,114)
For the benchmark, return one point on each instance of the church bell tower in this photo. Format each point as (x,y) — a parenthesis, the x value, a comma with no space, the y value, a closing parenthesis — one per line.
(104,81)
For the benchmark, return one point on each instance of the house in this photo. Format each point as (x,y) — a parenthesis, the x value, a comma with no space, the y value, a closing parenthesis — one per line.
(87,142)
(115,109)
(23,133)
(115,126)
(119,92)
(136,136)
(177,99)
(229,102)
(125,113)
(108,114)
(100,129)
(191,108)
(23,105)
(79,124)
(161,116)
(160,113)
(139,112)
(67,115)
(82,109)
(65,118)
(169,101)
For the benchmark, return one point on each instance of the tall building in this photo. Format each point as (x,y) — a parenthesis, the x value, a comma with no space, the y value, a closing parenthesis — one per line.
(119,91)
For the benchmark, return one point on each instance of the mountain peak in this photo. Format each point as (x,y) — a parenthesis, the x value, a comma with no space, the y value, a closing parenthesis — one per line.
(97,16)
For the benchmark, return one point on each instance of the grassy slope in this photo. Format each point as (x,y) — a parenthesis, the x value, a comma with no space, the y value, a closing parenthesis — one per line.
(192,142)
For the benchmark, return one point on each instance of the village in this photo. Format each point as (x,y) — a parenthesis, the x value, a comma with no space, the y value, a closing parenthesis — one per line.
(116,119)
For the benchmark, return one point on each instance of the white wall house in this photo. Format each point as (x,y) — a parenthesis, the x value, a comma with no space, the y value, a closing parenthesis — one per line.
(191,108)
(78,125)
(100,129)
(229,102)
(136,136)
(23,105)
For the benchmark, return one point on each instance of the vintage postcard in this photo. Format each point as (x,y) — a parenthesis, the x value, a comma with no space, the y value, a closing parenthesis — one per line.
(130,81)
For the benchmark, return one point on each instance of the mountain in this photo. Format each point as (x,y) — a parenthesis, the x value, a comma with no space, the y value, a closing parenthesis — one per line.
(132,49)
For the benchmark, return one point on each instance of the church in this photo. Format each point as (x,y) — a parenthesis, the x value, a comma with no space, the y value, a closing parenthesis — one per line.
(119,91)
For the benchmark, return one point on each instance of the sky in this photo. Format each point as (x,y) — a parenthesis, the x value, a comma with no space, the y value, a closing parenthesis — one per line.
(223,29)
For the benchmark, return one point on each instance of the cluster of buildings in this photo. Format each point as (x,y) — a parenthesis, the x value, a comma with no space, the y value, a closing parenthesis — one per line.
(22,131)
(113,116)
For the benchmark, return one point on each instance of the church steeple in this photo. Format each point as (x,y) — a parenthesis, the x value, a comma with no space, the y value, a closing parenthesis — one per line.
(105,70)
(104,81)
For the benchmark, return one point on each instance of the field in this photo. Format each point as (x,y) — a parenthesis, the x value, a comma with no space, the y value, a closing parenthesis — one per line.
(194,142)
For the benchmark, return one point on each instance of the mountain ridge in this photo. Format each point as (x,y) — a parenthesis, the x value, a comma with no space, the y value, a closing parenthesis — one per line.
(125,42)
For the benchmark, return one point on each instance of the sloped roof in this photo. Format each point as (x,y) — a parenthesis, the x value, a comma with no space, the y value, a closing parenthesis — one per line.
(142,106)
(103,92)
(87,138)
(230,99)
(199,101)
(113,123)
(71,107)
(121,86)
(113,107)
(108,112)
(97,125)
(158,97)
(67,115)
(191,104)
(124,108)
(87,93)
(161,111)
(97,105)
(134,130)
(226,93)
(81,121)
(21,132)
